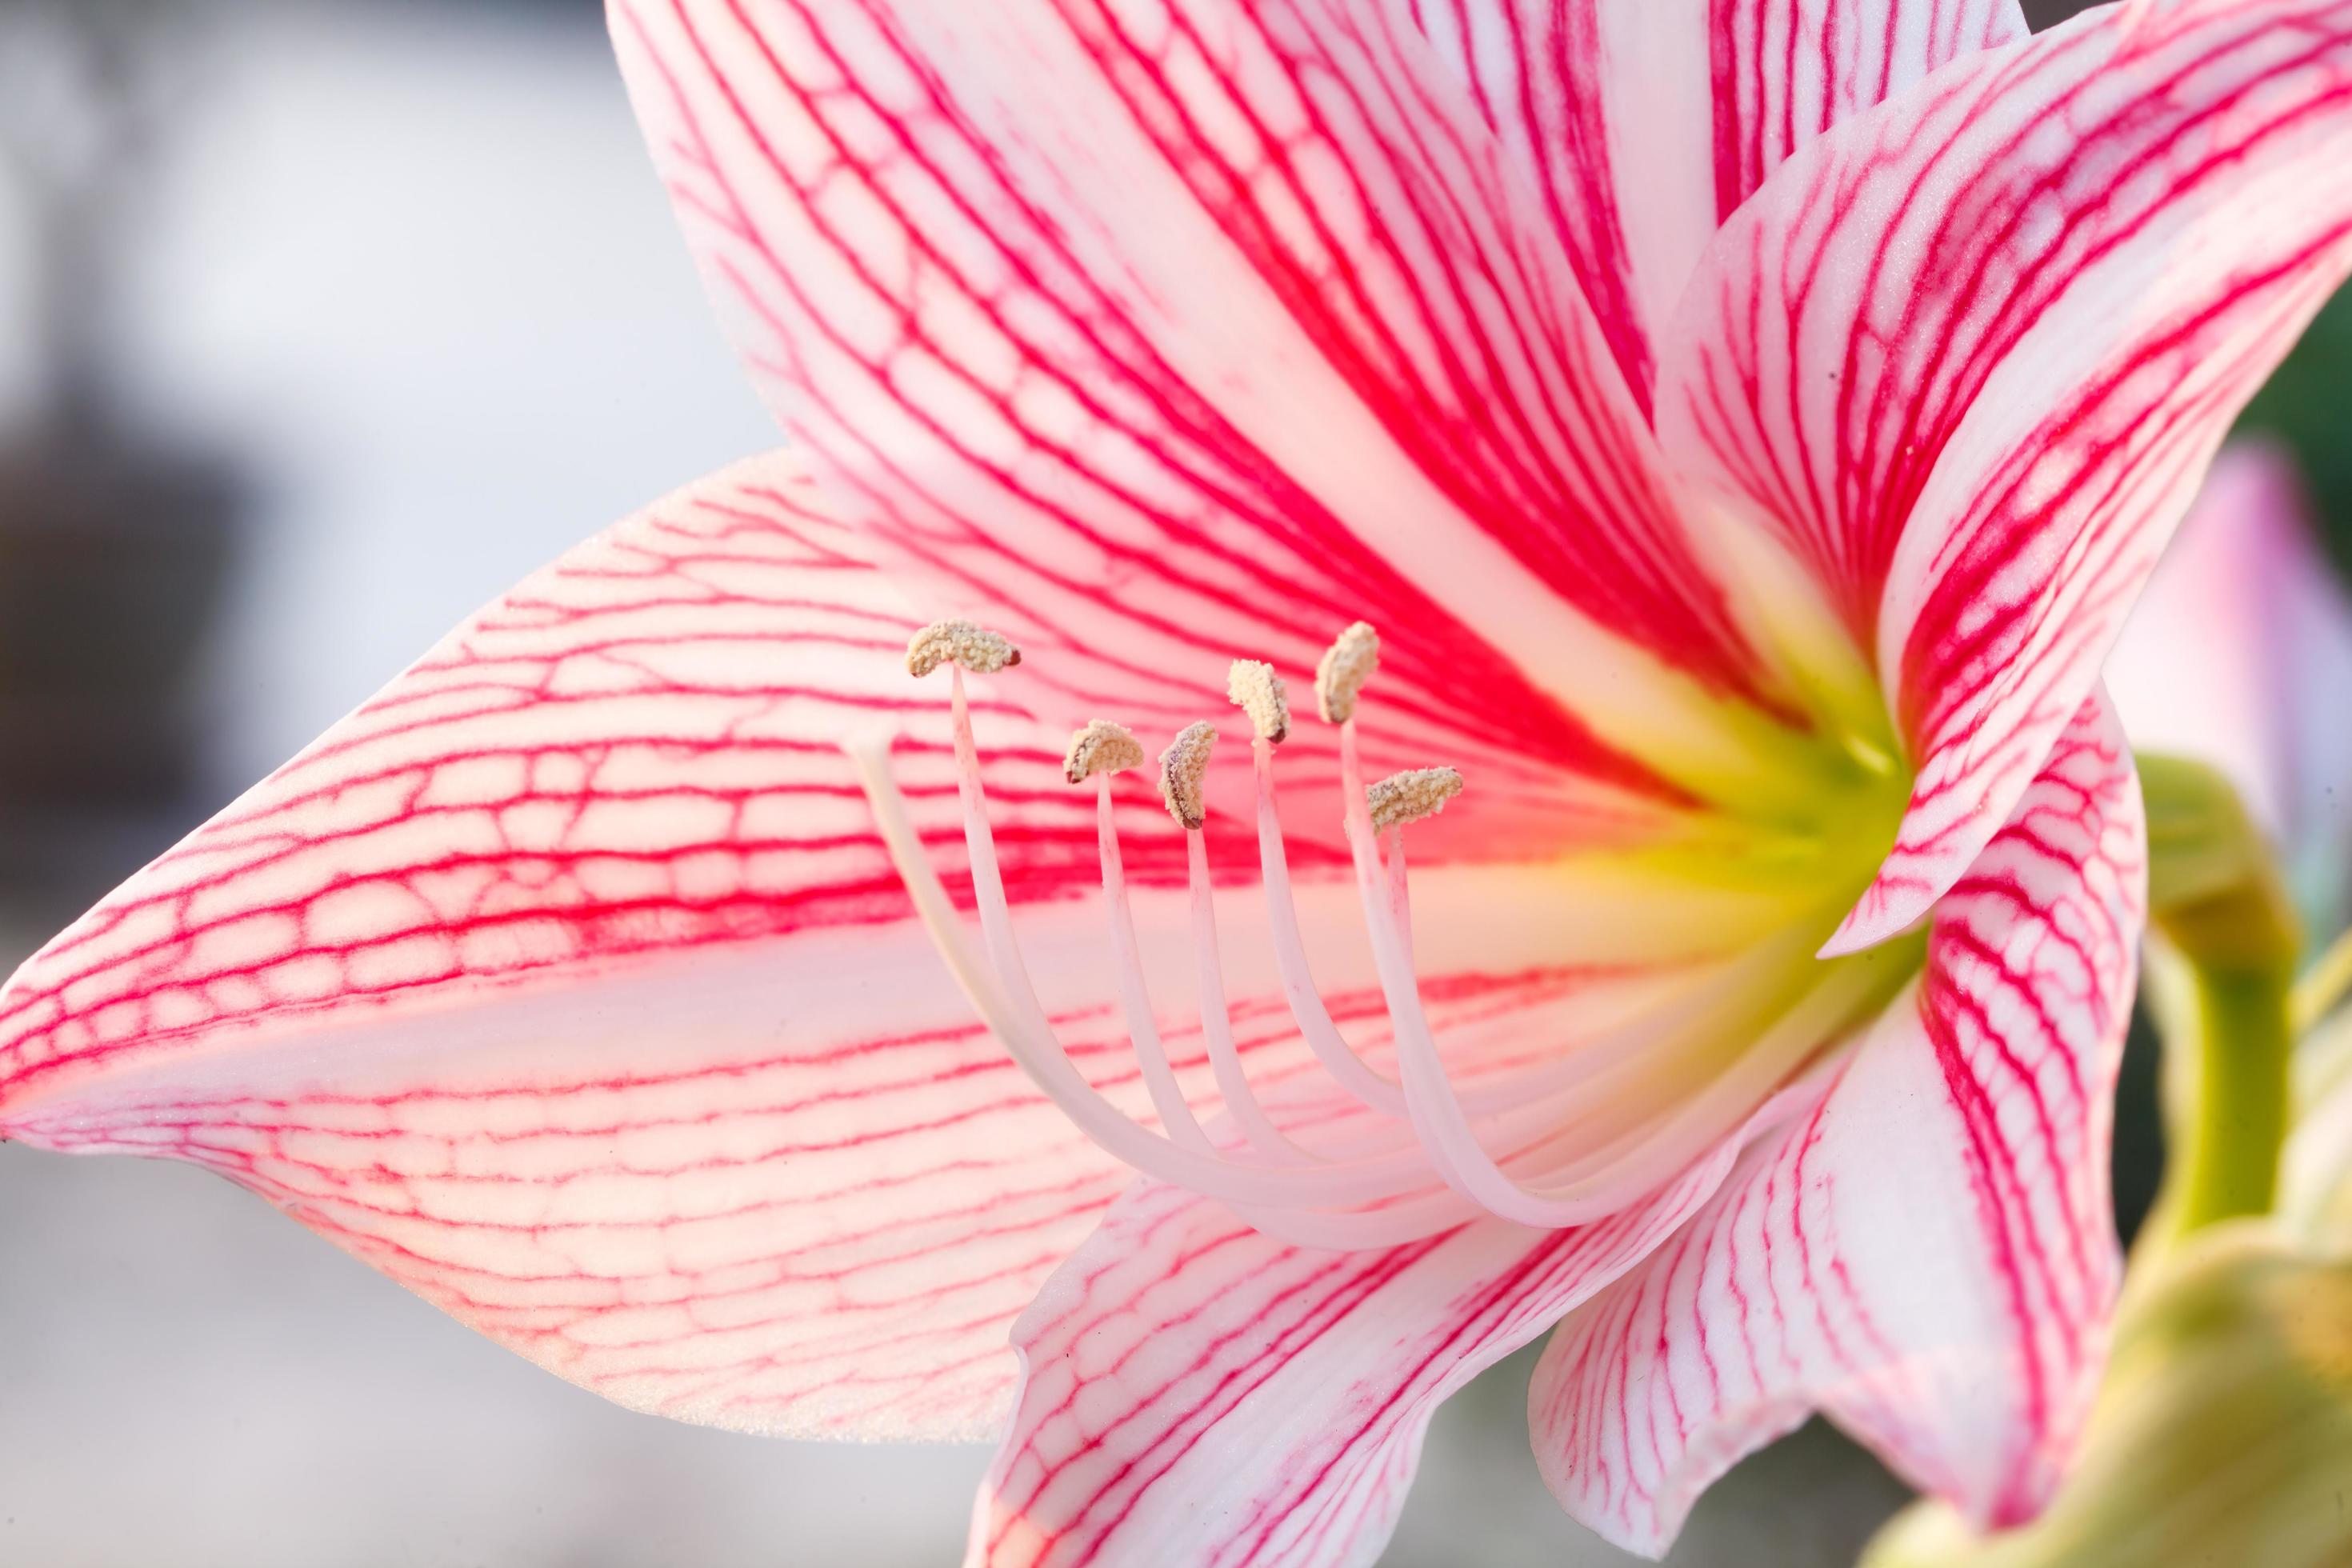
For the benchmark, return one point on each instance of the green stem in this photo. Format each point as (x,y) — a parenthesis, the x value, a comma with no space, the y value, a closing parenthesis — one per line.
(2238,1119)
(2222,909)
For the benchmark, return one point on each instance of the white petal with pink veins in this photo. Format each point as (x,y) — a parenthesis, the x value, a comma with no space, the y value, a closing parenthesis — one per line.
(1228,311)
(1930,1258)
(1644,123)
(1970,351)
(1199,1394)
(565,981)
(568,981)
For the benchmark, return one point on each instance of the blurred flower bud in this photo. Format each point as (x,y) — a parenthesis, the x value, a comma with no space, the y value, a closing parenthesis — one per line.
(2223,1435)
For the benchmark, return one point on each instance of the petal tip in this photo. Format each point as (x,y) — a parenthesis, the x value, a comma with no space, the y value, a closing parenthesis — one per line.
(1882,911)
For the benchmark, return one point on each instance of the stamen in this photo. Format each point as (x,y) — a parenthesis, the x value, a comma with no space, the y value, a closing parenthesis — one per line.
(1099,751)
(1338,1058)
(1365,849)
(1578,1136)
(1400,894)
(1102,747)
(1259,692)
(1182,768)
(1216,1019)
(988,885)
(1346,666)
(1247,1186)
(961,644)
(1402,799)
(1134,1000)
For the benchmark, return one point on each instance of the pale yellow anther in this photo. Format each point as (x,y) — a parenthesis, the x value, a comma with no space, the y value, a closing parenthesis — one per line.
(1259,692)
(1347,665)
(1404,798)
(1102,747)
(1182,767)
(975,648)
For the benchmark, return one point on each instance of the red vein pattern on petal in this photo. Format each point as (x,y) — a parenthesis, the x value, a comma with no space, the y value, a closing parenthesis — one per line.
(1220,310)
(1645,123)
(1930,1258)
(1786,71)
(1197,1393)
(1971,351)
(636,750)
(568,982)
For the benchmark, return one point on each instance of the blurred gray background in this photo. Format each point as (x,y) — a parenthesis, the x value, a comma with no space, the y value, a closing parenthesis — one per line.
(320,324)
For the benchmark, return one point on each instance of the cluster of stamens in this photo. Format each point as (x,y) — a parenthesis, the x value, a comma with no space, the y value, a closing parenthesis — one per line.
(1415,1154)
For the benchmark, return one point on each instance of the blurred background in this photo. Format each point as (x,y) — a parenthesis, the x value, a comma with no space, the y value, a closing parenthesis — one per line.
(320,324)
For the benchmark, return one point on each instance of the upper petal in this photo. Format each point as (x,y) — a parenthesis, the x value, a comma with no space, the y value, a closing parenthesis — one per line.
(1238,313)
(1644,123)
(1930,1258)
(1970,351)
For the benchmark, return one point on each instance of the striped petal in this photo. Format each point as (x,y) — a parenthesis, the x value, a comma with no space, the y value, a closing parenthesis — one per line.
(1930,1258)
(1235,314)
(1644,123)
(1969,354)
(2240,654)
(1197,1393)
(568,982)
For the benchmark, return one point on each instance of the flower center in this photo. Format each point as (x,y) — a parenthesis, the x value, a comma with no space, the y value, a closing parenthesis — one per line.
(1563,1140)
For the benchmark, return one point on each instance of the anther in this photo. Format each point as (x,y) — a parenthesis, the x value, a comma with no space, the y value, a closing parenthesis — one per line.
(1347,665)
(1182,767)
(962,644)
(1407,797)
(1259,692)
(1102,747)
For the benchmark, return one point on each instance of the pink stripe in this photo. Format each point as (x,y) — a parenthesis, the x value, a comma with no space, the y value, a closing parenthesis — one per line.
(1376,223)
(1178,1338)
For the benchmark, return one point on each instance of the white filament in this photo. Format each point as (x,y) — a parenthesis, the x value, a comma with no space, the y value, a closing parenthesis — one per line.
(1135,1003)
(1367,1179)
(1216,1020)
(1579,1135)
(1313,1020)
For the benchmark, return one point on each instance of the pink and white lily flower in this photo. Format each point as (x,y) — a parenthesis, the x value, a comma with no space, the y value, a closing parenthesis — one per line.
(1745,423)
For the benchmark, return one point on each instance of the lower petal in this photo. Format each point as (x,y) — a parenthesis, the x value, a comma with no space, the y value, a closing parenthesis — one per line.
(1199,1394)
